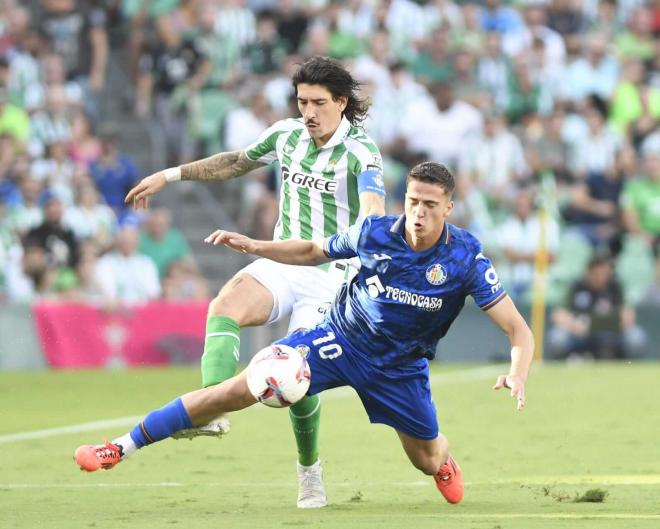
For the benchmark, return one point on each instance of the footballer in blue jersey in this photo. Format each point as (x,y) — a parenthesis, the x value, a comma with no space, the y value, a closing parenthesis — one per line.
(381,331)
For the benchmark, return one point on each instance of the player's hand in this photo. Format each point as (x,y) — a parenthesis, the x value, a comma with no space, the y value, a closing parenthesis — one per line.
(515,384)
(148,186)
(233,240)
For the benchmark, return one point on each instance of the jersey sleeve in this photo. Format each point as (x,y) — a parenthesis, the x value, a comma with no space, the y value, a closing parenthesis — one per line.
(483,283)
(264,148)
(370,170)
(343,245)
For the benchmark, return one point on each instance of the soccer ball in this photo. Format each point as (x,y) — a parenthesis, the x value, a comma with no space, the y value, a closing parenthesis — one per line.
(278,376)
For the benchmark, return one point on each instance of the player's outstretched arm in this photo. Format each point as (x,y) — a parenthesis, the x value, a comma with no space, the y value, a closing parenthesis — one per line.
(222,166)
(507,317)
(296,252)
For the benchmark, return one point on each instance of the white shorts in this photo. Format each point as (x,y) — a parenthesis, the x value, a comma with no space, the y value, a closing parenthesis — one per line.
(305,292)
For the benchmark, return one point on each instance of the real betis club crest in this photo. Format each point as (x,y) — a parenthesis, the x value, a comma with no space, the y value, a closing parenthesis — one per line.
(436,274)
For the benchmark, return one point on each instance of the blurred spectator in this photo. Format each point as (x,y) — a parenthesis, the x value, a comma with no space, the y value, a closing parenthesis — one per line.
(183,282)
(53,237)
(632,99)
(596,72)
(374,65)
(84,148)
(125,275)
(494,161)
(77,32)
(466,83)
(161,242)
(594,210)
(224,54)
(21,47)
(595,152)
(114,173)
(470,36)
(52,124)
(445,13)
(535,28)
(171,72)
(89,219)
(89,286)
(640,202)
(496,17)
(14,123)
(433,62)
(493,69)
(244,123)
(443,117)
(236,21)
(292,23)
(595,322)
(565,17)
(546,149)
(27,214)
(521,240)
(524,95)
(56,170)
(52,76)
(342,42)
(637,42)
(266,53)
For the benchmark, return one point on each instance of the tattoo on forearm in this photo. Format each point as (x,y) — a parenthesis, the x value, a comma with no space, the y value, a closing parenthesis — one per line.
(222,166)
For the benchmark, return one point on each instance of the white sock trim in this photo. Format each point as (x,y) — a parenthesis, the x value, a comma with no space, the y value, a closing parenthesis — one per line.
(318,404)
(232,334)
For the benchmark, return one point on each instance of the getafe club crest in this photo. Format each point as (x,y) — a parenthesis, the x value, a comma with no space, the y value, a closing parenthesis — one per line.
(436,274)
(303,350)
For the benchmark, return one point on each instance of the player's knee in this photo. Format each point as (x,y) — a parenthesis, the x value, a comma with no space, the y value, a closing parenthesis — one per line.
(223,305)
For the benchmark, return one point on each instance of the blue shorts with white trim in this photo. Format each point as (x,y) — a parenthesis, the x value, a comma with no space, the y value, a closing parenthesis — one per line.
(399,397)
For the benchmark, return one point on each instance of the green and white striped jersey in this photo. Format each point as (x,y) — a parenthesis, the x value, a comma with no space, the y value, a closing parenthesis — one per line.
(319,191)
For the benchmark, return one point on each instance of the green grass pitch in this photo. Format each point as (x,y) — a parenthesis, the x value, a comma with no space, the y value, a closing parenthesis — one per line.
(585,427)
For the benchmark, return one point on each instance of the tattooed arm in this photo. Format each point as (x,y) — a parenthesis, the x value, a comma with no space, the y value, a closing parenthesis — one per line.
(222,166)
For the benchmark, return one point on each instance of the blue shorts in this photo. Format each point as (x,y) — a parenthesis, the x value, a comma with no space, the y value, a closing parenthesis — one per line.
(399,396)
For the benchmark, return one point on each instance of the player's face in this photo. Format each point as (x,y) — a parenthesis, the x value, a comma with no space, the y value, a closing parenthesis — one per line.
(427,206)
(321,113)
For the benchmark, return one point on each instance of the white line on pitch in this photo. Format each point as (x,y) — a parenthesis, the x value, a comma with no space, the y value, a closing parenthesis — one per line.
(459,376)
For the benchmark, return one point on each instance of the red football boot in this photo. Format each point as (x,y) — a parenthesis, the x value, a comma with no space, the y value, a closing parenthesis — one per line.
(449,481)
(92,457)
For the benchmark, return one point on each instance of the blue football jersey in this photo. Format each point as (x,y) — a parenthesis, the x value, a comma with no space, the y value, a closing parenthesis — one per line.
(402,302)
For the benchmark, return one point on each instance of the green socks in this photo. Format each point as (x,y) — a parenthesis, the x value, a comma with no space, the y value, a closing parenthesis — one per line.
(221,347)
(305,418)
(219,363)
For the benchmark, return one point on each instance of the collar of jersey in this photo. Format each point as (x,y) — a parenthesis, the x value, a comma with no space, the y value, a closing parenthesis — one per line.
(400,224)
(340,134)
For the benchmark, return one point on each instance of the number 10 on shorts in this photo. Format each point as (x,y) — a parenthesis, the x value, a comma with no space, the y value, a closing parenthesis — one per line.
(329,351)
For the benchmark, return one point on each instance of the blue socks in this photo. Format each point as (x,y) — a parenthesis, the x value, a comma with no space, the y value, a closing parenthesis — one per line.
(161,424)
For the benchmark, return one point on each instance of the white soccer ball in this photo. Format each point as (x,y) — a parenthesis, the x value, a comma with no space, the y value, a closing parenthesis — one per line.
(278,376)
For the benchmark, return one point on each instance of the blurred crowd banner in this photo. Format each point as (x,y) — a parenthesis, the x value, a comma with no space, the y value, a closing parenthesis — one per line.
(75,335)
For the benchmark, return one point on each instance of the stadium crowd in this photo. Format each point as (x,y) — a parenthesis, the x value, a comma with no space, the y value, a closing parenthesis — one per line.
(548,112)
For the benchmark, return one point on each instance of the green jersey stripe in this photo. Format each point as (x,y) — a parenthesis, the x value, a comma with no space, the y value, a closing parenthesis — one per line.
(285,219)
(286,202)
(354,169)
(265,147)
(305,213)
(328,200)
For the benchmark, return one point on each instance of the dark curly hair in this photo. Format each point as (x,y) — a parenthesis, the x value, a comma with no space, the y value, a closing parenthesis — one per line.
(332,75)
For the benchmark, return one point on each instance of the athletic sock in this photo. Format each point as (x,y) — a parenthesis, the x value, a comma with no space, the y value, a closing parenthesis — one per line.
(305,418)
(161,424)
(127,445)
(221,350)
